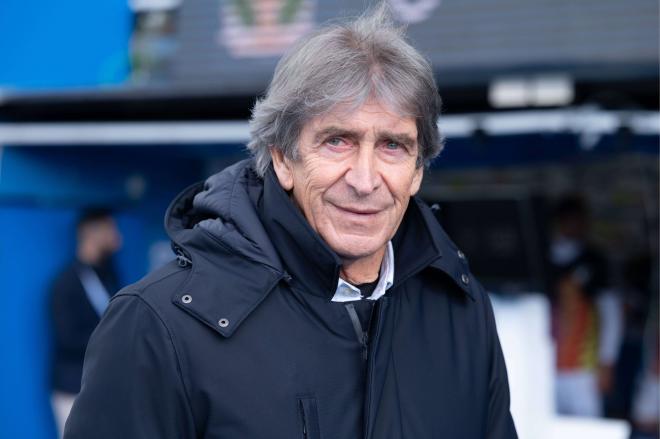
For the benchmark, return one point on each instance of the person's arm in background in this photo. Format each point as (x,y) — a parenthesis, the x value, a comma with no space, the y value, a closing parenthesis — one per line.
(609,309)
(610,317)
(645,411)
(132,386)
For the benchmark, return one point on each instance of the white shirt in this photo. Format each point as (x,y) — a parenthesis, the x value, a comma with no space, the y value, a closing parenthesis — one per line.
(346,292)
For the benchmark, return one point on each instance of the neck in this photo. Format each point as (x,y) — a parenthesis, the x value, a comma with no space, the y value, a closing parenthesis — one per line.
(362,270)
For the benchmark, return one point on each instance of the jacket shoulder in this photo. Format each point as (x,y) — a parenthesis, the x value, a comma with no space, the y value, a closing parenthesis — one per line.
(133,371)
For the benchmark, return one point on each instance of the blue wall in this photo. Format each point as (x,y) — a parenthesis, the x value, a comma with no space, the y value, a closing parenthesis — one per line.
(55,44)
(29,252)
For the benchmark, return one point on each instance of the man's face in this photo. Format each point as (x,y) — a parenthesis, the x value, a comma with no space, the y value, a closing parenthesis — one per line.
(104,236)
(354,177)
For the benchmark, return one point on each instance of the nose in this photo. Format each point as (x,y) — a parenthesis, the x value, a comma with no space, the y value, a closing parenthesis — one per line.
(363,176)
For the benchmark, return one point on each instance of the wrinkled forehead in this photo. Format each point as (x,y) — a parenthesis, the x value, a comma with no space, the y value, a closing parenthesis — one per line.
(370,113)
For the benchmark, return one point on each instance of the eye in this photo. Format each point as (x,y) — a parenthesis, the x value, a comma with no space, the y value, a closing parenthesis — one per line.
(392,146)
(337,143)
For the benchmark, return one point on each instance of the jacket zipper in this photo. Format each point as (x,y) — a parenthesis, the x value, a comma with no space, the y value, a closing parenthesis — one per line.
(378,311)
(304,419)
(362,335)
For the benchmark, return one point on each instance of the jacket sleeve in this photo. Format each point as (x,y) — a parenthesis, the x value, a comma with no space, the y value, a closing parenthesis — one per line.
(131,385)
(499,422)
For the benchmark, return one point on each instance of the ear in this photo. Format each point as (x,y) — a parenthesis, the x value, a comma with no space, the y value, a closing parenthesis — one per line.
(417,180)
(282,168)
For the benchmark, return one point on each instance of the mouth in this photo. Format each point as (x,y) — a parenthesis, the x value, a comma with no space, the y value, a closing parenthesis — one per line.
(360,211)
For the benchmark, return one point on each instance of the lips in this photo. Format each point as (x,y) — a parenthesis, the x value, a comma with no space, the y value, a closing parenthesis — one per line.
(358,210)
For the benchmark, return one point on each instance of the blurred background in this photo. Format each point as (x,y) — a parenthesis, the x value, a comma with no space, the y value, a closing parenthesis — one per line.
(548,182)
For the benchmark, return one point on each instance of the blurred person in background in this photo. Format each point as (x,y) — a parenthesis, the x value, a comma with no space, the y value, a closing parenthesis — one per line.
(315,295)
(587,319)
(637,296)
(645,414)
(80,295)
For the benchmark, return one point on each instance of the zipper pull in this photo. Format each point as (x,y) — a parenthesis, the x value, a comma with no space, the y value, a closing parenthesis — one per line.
(360,334)
(181,258)
(304,419)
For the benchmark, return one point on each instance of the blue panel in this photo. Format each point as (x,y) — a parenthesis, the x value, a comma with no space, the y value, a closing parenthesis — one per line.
(132,258)
(52,44)
(92,175)
(36,243)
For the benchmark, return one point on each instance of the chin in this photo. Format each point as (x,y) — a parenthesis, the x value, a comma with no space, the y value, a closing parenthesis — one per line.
(356,247)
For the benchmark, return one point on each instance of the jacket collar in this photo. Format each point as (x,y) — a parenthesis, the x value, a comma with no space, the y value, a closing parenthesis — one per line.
(452,261)
(217,235)
(223,287)
(419,243)
(207,242)
(307,258)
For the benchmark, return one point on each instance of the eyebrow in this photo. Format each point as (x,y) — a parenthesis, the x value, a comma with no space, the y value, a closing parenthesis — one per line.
(402,138)
(336,131)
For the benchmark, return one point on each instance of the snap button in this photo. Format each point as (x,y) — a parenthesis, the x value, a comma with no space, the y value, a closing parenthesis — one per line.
(187,298)
(465,279)
(223,323)
(460,254)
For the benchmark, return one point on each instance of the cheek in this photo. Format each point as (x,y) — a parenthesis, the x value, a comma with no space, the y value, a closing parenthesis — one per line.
(312,180)
(401,183)
(318,173)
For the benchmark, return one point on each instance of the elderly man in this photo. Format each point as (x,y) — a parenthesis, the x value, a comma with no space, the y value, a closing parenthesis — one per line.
(314,296)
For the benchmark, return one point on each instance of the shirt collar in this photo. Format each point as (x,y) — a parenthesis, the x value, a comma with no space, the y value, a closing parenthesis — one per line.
(347,292)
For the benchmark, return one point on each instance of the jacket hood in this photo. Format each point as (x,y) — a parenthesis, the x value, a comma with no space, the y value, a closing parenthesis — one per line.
(216,232)
(222,208)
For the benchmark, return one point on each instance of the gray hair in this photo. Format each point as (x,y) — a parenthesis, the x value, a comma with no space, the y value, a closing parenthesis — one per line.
(346,63)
